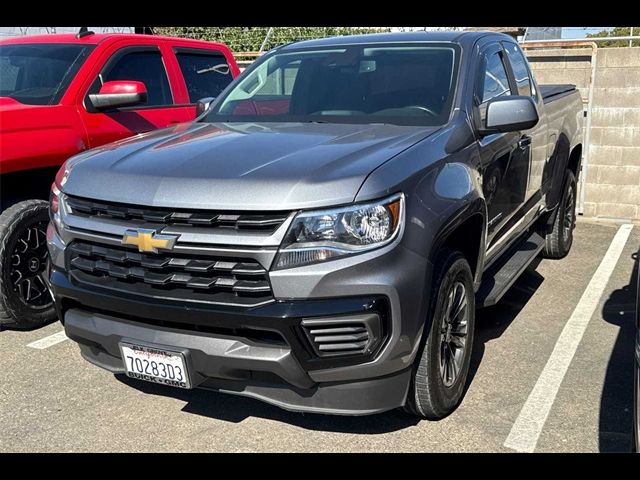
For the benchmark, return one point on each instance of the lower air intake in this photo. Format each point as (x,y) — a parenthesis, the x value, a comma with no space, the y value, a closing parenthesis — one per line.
(351,335)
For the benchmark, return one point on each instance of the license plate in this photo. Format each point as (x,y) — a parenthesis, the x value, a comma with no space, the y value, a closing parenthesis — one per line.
(155,365)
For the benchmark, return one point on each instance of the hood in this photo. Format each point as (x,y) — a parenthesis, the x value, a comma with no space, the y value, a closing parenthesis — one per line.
(11,109)
(8,104)
(240,166)
(18,116)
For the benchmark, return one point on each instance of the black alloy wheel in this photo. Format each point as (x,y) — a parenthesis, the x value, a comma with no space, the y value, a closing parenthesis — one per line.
(25,298)
(453,334)
(28,263)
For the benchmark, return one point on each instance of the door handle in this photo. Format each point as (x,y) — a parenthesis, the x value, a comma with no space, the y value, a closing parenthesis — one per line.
(523,143)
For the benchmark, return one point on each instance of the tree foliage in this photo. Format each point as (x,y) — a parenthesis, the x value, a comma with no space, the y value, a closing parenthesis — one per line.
(616,32)
(250,39)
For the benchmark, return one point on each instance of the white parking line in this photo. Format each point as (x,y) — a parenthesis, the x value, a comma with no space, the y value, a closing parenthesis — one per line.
(49,341)
(524,434)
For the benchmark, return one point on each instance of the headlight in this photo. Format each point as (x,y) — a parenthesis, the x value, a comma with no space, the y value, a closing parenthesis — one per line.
(62,175)
(316,236)
(54,207)
(56,197)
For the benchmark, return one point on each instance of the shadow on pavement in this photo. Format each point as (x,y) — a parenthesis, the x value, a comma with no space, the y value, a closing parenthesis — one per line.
(17,328)
(492,322)
(234,408)
(616,403)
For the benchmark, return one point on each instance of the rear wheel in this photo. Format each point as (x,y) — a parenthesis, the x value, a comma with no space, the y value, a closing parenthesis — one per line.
(442,367)
(559,241)
(25,299)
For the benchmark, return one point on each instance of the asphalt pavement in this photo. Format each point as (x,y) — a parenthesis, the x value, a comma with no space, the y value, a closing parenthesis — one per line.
(53,400)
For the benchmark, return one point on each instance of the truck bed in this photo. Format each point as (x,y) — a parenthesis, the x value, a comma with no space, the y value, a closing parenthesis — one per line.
(550,92)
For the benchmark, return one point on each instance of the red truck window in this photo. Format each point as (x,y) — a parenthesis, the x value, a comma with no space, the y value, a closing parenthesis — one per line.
(143,66)
(206,73)
(39,74)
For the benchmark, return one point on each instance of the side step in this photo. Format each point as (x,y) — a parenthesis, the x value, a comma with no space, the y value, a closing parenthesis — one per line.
(505,271)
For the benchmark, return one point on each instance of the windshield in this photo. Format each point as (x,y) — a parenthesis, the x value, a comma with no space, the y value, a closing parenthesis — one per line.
(39,74)
(408,84)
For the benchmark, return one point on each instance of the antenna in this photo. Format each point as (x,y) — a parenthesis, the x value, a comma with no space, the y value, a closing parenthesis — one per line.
(84,31)
(143,30)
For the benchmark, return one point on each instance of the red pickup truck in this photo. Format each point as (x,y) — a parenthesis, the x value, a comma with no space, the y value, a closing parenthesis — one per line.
(63,94)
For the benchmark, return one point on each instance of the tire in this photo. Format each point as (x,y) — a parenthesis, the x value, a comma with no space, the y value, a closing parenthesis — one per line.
(635,441)
(433,394)
(25,300)
(558,242)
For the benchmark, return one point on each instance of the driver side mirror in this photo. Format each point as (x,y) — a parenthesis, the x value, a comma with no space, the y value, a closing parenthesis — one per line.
(119,93)
(203,105)
(510,114)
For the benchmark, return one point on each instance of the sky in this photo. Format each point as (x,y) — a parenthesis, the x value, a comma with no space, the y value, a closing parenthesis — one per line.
(580,32)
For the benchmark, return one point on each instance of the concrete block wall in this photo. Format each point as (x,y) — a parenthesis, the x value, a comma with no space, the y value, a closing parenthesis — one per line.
(612,182)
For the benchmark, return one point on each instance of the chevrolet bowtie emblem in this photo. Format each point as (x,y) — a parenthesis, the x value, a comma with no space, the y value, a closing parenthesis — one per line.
(148,240)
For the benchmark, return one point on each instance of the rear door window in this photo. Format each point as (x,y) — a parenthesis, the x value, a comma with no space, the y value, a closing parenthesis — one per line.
(206,73)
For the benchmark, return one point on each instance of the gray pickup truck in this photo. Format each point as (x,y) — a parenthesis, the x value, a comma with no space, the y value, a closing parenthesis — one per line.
(321,236)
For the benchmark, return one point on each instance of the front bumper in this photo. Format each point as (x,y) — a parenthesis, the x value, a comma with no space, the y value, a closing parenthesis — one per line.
(260,351)
(231,352)
(235,365)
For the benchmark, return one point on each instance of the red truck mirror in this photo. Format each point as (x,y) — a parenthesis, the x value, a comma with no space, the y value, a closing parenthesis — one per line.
(119,93)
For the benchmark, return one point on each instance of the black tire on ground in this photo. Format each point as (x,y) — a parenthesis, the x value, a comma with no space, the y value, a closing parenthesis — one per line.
(432,393)
(17,247)
(635,440)
(558,242)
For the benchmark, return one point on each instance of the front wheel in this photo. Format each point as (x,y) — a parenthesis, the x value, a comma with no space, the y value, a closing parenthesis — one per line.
(442,367)
(558,242)
(25,299)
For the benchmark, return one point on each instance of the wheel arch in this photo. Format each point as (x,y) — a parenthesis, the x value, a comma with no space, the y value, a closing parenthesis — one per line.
(559,163)
(575,160)
(26,185)
(465,232)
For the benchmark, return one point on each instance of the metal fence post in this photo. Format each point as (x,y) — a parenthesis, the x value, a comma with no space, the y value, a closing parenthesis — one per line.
(266,38)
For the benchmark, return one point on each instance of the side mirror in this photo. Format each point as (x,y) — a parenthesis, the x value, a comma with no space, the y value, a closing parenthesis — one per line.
(510,114)
(203,105)
(119,93)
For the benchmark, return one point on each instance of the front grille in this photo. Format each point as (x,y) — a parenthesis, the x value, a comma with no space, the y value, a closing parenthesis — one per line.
(233,281)
(263,222)
(353,335)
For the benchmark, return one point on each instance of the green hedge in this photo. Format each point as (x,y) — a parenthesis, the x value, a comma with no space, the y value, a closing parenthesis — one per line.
(250,39)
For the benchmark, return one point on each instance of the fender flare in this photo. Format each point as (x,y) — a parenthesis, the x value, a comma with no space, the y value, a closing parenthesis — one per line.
(463,213)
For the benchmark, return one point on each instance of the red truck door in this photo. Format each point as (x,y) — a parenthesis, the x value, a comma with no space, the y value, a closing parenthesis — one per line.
(166,103)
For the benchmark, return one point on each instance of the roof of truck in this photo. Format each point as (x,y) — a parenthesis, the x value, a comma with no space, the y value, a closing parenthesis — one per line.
(93,39)
(399,37)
